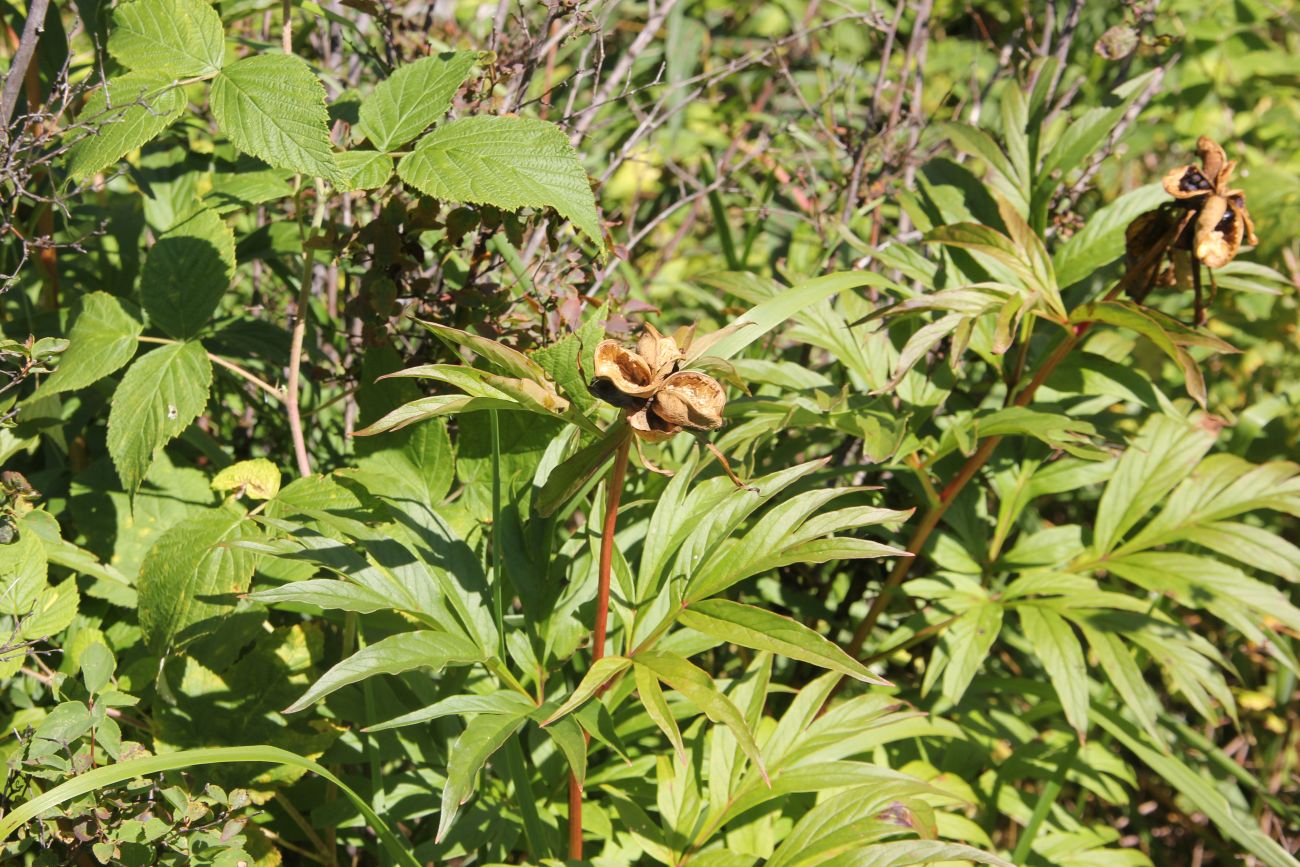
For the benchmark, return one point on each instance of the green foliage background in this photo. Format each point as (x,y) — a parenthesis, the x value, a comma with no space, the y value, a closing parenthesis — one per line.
(301,530)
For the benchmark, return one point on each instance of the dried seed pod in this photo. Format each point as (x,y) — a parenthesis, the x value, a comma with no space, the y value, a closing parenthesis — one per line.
(626,371)
(690,399)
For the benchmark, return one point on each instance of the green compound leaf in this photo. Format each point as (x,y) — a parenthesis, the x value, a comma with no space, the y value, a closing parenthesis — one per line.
(161,393)
(187,272)
(127,113)
(178,38)
(413,98)
(507,162)
(273,107)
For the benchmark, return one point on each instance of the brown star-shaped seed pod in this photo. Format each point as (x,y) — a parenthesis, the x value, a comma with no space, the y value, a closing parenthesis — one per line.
(1205,224)
(658,400)
(1222,221)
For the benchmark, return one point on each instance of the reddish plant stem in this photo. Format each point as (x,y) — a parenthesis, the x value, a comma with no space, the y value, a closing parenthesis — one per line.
(613,493)
(575,818)
(973,465)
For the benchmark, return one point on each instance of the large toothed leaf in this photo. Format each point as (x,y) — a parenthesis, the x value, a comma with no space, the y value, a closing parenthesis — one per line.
(125,114)
(193,572)
(177,38)
(187,272)
(161,393)
(101,340)
(507,162)
(413,98)
(273,107)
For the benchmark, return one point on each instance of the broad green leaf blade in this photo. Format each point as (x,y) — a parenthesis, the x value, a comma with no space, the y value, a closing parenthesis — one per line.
(762,318)
(188,571)
(393,655)
(503,701)
(572,742)
(760,629)
(176,38)
(102,339)
(413,98)
(698,688)
(1201,792)
(510,360)
(23,571)
(569,478)
(905,853)
(1165,451)
(1125,675)
(134,769)
(327,593)
(273,107)
(187,272)
(967,643)
(507,162)
(1101,240)
(600,671)
(483,736)
(1056,646)
(143,104)
(363,170)
(257,479)
(161,393)
(656,706)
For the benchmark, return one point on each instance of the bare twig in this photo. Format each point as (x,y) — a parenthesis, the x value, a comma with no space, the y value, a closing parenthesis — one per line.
(18,68)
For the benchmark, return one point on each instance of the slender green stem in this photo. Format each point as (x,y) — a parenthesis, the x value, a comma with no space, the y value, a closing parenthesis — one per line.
(1044,806)
(498,578)
(301,314)
(228,365)
(534,831)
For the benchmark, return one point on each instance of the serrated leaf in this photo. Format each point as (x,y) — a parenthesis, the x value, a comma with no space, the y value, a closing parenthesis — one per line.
(143,104)
(393,655)
(273,107)
(193,572)
(413,98)
(102,339)
(257,479)
(23,569)
(161,393)
(698,688)
(760,629)
(363,170)
(180,38)
(506,162)
(52,611)
(186,273)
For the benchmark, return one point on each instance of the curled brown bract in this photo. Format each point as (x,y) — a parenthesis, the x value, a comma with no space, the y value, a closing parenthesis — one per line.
(658,399)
